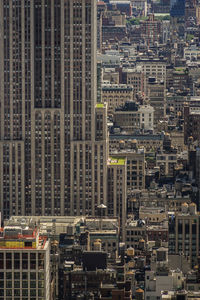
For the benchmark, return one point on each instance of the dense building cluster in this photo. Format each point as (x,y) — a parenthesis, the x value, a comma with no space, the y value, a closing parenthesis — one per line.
(100,149)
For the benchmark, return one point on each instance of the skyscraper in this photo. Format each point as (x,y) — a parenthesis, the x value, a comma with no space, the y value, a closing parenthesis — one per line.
(53,140)
(177,8)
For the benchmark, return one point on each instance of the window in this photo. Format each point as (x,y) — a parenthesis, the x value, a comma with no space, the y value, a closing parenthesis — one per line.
(33,260)
(24,292)
(9,292)
(33,284)
(40,276)
(24,284)
(17,284)
(16,261)
(8,261)
(9,275)
(1,261)
(24,260)
(17,275)
(24,276)
(17,293)
(33,292)
(40,284)
(32,275)
(40,293)
(41,261)
(9,284)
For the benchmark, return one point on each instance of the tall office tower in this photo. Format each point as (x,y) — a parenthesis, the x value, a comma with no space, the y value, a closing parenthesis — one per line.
(177,20)
(52,160)
(177,8)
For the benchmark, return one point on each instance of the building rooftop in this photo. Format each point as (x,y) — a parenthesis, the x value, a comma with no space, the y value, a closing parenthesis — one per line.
(139,152)
(109,87)
(103,233)
(137,137)
(180,70)
(100,105)
(101,3)
(128,106)
(21,237)
(151,209)
(116,161)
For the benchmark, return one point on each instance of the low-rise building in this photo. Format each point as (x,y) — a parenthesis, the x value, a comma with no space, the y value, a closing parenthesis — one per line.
(135,235)
(166,161)
(146,117)
(165,280)
(133,117)
(180,78)
(96,280)
(112,32)
(171,201)
(177,138)
(104,231)
(153,67)
(191,53)
(175,102)
(78,282)
(116,95)
(141,6)
(147,141)
(111,75)
(152,215)
(161,277)
(157,232)
(136,78)
(124,7)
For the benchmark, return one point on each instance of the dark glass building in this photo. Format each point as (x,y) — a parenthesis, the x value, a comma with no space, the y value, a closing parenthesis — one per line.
(177,8)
